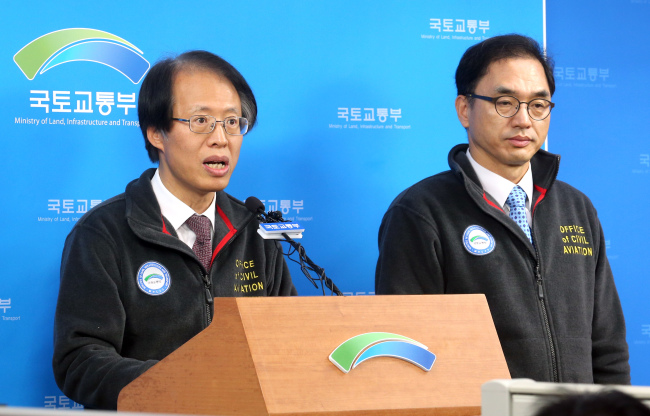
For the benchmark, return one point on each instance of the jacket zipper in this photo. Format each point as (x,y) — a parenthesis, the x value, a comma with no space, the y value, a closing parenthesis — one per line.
(547,326)
(209,300)
(538,279)
(542,302)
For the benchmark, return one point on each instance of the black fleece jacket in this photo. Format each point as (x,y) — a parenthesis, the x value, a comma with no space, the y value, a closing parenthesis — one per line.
(554,303)
(108,330)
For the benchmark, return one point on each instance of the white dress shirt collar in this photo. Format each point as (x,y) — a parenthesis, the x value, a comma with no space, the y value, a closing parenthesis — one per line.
(177,212)
(498,186)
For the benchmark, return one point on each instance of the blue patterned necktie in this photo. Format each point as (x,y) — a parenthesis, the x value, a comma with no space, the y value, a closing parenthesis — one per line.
(517,203)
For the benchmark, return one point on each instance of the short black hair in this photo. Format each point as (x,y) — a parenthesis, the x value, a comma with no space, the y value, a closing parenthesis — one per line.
(156,98)
(475,61)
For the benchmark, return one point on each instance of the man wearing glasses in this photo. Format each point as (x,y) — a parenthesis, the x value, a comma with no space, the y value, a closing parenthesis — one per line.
(499,223)
(139,272)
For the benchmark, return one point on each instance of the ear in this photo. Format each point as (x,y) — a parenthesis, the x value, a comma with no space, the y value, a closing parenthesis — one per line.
(156,138)
(462,110)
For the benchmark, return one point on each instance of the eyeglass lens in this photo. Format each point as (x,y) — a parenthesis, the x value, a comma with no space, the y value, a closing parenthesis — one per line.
(537,109)
(205,124)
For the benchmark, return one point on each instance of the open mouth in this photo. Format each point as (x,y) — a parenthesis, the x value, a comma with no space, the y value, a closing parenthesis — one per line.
(216,165)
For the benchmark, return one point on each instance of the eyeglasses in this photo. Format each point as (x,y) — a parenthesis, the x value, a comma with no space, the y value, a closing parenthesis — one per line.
(201,124)
(507,106)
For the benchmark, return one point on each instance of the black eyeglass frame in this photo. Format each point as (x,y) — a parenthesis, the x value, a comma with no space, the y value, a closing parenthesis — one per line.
(223,124)
(494,100)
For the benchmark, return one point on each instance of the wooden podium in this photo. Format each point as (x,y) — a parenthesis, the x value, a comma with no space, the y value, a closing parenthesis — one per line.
(270,356)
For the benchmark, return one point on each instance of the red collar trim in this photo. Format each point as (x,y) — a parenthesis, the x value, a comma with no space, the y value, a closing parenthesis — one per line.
(231,231)
(492,203)
(164,230)
(542,192)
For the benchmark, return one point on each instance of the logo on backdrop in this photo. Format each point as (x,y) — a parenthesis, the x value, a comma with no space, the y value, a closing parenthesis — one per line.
(56,105)
(290,208)
(363,347)
(611,255)
(70,45)
(643,336)
(644,164)
(153,278)
(361,118)
(5,305)
(61,402)
(66,211)
(582,77)
(457,29)
(645,330)
(478,241)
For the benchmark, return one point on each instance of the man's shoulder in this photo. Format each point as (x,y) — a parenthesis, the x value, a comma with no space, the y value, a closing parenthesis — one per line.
(100,227)
(234,209)
(109,220)
(435,187)
(235,203)
(106,214)
(114,211)
(568,194)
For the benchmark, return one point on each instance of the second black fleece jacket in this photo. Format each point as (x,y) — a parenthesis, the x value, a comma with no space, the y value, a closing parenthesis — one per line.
(554,304)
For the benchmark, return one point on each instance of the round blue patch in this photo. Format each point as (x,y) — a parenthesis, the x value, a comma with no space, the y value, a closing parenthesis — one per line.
(478,241)
(153,278)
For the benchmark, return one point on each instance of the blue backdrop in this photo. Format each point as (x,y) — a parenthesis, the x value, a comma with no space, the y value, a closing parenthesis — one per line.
(600,128)
(355,104)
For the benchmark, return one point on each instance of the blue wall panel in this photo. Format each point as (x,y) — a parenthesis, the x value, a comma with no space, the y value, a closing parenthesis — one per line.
(599,127)
(323,74)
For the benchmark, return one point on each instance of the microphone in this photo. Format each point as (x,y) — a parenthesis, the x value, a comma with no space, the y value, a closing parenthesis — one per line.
(254,205)
(272,225)
(283,229)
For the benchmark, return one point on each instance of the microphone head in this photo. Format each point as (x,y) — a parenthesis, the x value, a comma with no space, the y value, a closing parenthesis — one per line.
(254,205)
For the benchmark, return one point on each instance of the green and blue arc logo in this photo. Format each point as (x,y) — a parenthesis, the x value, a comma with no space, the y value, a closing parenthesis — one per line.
(363,347)
(153,278)
(77,44)
(478,241)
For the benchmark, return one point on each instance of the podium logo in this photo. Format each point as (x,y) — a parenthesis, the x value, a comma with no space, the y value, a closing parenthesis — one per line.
(69,45)
(363,347)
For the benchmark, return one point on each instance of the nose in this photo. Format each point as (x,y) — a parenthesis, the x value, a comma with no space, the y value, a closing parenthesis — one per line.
(522,118)
(218,136)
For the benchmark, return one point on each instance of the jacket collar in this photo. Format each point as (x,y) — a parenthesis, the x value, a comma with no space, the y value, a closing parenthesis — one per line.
(145,219)
(546,166)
